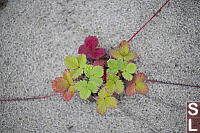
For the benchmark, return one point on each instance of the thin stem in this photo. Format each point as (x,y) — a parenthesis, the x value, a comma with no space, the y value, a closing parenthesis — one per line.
(148,21)
(29,98)
(170,83)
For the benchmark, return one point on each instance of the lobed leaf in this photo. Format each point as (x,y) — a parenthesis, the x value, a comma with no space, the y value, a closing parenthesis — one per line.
(114,66)
(103,93)
(89,48)
(101,105)
(124,48)
(131,68)
(68,94)
(112,77)
(99,63)
(91,71)
(98,53)
(114,84)
(119,87)
(124,66)
(97,81)
(67,76)
(91,42)
(141,88)
(131,89)
(116,54)
(81,60)
(88,70)
(84,94)
(81,85)
(110,86)
(97,71)
(60,84)
(137,85)
(111,102)
(71,62)
(76,73)
(105,101)
(140,77)
(130,56)
(127,76)
(92,87)
(123,52)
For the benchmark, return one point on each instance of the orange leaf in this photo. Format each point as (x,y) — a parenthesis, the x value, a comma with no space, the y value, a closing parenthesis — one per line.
(131,89)
(137,85)
(142,88)
(60,84)
(68,94)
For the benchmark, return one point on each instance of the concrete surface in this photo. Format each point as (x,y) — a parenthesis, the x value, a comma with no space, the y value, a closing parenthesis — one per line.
(36,36)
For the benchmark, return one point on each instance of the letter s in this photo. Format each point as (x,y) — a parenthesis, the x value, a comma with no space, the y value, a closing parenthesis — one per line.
(193,108)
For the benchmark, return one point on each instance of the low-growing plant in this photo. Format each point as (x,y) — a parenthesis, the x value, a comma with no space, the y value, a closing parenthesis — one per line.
(94,75)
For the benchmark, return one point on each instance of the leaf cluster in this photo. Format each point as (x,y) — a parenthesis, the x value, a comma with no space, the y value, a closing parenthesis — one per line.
(86,77)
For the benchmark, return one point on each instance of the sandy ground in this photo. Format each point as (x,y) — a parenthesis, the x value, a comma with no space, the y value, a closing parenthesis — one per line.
(36,36)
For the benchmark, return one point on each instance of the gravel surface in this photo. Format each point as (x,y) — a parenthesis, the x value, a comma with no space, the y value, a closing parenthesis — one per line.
(36,36)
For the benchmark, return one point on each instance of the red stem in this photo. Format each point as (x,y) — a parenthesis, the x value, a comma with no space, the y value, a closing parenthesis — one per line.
(162,82)
(148,21)
(148,80)
(29,98)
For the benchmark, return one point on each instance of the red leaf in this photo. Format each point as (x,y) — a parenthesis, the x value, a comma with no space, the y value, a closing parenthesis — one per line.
(84,50)
(91,42)
(131,89)
(99,52)
(99,63)
(89,48)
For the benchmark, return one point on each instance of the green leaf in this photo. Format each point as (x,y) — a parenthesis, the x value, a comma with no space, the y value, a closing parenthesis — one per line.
(130,56)
(88,70)
(110,86)
(81,85)
(82,60)
(114,66)
(97,81)
(105,101)
(67,76)
(112,77)
(71,62)
(131,68)
(101,105)
(124,48)
(111,102)
(103,93)
(76,73)
(124,66)
(114,84)
(92,87)
(97,71)
(127,76)
(119,87)
(84,94)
